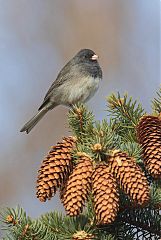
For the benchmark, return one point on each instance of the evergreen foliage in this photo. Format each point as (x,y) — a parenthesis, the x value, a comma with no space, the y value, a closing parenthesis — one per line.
(98,139)
(156,106)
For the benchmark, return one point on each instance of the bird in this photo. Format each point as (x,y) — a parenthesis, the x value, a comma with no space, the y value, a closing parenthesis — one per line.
(76,83)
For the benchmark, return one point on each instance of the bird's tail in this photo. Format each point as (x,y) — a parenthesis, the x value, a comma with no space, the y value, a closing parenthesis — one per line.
(31,123)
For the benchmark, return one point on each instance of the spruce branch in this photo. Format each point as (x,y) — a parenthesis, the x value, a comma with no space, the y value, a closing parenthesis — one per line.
(103,169)
(156,103)
(125,114)
(66,227)
(125,108)
(15,222)
(105,236)
(156,195)
(80,120)
(50,226)
(99,141)
(133,149)
(118,230)
(143,220)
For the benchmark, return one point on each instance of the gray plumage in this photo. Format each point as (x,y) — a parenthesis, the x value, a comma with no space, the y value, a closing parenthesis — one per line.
(76,82)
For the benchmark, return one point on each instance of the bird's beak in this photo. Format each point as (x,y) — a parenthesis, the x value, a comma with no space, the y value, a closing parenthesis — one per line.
(94,57)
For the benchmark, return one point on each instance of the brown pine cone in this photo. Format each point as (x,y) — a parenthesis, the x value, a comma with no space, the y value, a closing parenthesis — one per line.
(55,169)
(130,177)
(105,193)
(77,187)
(149,136)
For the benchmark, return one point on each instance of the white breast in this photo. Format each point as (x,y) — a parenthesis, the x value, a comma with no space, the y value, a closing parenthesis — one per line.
(80,91)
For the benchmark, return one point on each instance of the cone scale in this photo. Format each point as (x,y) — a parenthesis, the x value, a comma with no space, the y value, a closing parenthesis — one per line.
(149,136)
(75,193)
(105,195)
(130,177)
(55,169)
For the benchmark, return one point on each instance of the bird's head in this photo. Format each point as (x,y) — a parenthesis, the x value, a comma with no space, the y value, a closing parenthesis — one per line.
(86,55)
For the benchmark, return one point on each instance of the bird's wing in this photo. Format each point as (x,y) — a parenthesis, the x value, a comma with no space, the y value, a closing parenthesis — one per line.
(65,75)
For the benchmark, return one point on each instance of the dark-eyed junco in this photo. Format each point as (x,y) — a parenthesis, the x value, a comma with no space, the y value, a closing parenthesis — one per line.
(76,82)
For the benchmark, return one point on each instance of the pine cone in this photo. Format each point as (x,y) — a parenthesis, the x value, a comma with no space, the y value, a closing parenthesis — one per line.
(130,177)
(77,187)
(149,136)
(106,199)
(55,169)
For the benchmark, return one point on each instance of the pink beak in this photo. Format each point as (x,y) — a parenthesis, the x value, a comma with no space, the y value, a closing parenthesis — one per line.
(94,57)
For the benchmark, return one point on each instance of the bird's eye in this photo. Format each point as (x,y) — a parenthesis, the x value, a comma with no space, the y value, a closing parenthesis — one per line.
(89,57)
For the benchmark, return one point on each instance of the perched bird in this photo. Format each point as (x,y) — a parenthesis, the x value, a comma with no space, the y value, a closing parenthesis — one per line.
(77,82)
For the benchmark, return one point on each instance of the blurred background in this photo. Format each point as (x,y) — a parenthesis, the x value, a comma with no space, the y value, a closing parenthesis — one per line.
(36,39)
